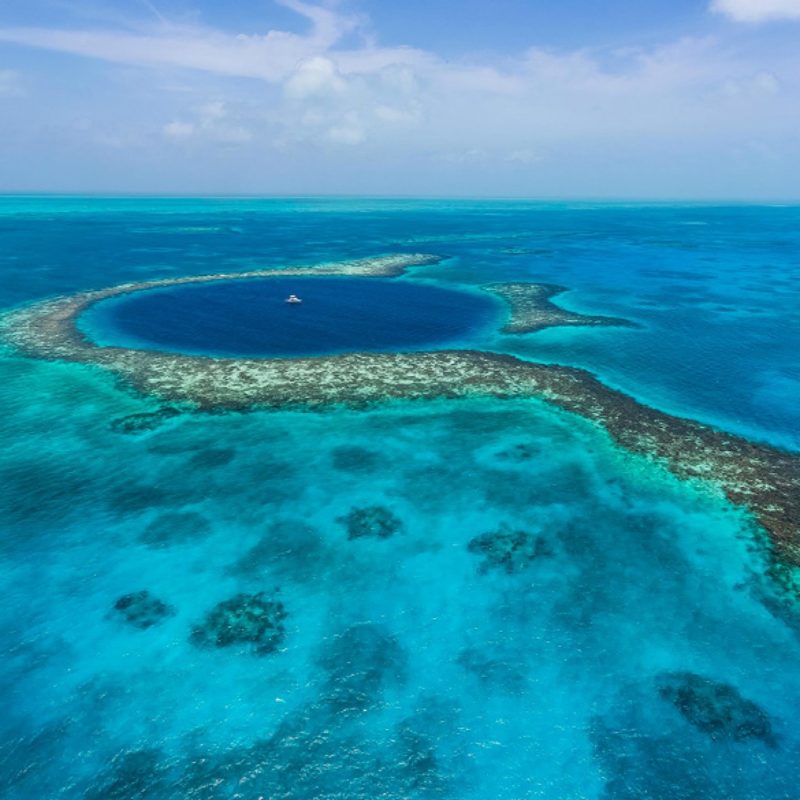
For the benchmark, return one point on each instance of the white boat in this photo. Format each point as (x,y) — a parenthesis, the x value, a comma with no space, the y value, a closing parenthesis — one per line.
(294,299)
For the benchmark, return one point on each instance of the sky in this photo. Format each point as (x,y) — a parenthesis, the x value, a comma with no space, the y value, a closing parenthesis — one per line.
(618,99)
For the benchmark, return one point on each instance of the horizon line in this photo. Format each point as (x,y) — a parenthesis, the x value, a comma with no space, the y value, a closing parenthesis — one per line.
(663,200)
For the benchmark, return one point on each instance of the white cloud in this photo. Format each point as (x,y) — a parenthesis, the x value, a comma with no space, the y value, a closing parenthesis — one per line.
(762,84)
(316,76)
(347,134)
(179,130)
(11,83)
(212,122)
(757,10)
(396,116)
(327,91)
(269,57)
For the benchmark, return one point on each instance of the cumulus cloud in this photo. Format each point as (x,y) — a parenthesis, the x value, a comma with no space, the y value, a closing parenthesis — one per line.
(316,76)
(758,10)
(211,122)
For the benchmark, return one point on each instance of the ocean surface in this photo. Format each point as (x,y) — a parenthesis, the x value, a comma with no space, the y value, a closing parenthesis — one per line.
(464,599)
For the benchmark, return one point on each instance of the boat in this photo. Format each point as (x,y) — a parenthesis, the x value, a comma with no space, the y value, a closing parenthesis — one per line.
(293,299)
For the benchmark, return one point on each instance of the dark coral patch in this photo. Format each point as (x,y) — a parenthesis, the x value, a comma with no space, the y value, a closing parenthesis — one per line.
(519,453)
(245,619)
(175,527)
(142,609)
(715,708)
(135,498)
(360,662)
(141,423)
(370,521)
(289,545)
(500,672)
(349,458)
(43,491)
(213,457)
(139,774)
(509,550)
(418,761)
(778,591)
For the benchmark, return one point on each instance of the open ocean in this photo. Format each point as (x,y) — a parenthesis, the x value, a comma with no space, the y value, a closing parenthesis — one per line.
(630,657)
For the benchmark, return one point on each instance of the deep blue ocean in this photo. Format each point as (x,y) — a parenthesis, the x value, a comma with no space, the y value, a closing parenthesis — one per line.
(254,317)
(623,652)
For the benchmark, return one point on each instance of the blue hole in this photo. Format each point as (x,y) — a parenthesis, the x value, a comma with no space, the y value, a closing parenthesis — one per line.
(251,317)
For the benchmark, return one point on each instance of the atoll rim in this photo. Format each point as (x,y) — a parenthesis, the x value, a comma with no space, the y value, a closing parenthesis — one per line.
(763,479)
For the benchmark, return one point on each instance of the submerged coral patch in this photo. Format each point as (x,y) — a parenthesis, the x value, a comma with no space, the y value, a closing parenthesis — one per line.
(42,491)
(348,458)
(245,619)
(372,521)
(212,457)
(141,423)
(509,550)
(141,609)
(290,547)
(502,673)
(715,708)
(137,497)
(360,662)
(175,527)
(140,774)
(519,453)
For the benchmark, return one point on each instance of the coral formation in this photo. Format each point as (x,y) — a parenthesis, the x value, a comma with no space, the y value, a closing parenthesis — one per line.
(245,619)
(762,479)
(508,550)
(532,309)
(360,662)
(213,457)
(142,609)
(501,672)
(519,453)
(715,708)
(141,423)
(372,521)
(175,527)
(348,458)
(138,774)
(289,546)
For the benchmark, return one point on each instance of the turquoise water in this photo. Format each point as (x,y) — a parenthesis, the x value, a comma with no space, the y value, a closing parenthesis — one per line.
(252,317)
(418,655)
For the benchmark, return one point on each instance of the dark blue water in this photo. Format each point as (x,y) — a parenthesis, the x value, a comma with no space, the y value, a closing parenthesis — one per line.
(251,317)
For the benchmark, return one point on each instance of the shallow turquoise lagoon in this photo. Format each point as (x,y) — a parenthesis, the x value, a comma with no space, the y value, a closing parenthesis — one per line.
(465,599)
